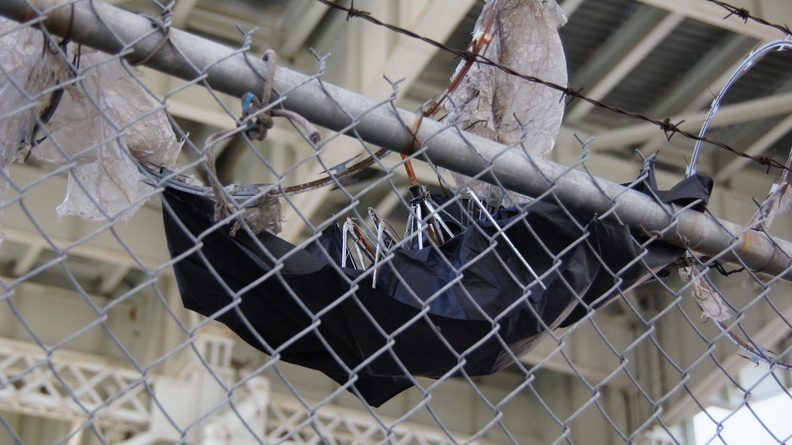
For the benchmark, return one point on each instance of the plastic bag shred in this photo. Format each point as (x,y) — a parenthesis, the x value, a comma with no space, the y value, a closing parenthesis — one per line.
(104,122)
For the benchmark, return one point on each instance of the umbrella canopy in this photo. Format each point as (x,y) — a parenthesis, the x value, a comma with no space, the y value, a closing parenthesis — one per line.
(469,306)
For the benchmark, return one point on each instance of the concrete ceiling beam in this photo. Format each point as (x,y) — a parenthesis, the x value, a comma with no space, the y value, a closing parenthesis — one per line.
(757,148)
(727,115)
(299,23)
(620,57)
(715,15)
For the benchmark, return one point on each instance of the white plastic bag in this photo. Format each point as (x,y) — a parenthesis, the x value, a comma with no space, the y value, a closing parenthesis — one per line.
(104,123)
(105,120)
(29,70)
(29,73)
(506,108)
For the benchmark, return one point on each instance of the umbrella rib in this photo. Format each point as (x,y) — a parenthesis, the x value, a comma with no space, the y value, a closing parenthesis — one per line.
(506,237)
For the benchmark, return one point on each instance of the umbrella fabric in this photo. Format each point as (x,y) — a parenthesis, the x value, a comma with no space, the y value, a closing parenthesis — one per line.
(469,306)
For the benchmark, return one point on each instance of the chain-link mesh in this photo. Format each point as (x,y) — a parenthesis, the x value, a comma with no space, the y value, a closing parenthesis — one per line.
(339,301)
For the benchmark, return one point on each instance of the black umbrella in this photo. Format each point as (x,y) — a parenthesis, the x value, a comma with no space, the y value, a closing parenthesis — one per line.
(467,306)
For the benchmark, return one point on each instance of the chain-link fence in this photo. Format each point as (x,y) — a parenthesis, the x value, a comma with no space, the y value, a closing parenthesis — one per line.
(416,309)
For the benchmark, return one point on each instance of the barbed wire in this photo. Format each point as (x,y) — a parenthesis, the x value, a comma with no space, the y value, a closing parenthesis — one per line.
(746,15)
(669,128)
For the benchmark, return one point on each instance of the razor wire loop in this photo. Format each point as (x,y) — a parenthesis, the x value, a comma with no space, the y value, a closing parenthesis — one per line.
(690,273)
(754,57)
(756,352)
(441,148)
(258,114)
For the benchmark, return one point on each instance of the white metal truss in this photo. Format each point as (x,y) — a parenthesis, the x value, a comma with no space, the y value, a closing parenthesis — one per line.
(75,387)
(67,385)
(289,420)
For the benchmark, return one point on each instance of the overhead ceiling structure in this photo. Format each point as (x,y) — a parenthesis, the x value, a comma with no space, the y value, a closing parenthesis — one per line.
(660,58)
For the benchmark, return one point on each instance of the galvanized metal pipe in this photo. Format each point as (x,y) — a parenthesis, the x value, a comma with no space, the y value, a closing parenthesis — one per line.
(114,31)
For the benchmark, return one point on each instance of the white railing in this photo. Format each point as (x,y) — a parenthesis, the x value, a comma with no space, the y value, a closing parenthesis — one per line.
(288,421)
(68,385)
(73,386)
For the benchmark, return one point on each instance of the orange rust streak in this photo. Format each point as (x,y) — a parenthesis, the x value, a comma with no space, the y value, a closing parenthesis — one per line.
(744,250)
(433,235)
(362,239)
(29,13)
(410,171)
(407,163)
(475,47)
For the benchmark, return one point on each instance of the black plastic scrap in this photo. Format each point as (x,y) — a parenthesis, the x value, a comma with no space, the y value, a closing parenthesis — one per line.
(469,306)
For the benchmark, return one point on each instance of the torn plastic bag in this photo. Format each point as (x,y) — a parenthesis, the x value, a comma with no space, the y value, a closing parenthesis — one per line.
(463,307)
(30,69)
(501,107)
(106,123)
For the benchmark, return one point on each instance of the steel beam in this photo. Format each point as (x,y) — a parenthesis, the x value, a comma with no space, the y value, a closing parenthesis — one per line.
(625,65)
(746,111)
(712,14)
(299,22)
(703,76)
(409,57)
(757,148)
(617,47)
(182,11)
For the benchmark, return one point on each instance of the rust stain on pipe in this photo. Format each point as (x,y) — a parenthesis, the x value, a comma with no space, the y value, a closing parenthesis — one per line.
(29,12)
(411,147)
(55,19)
(746,249)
